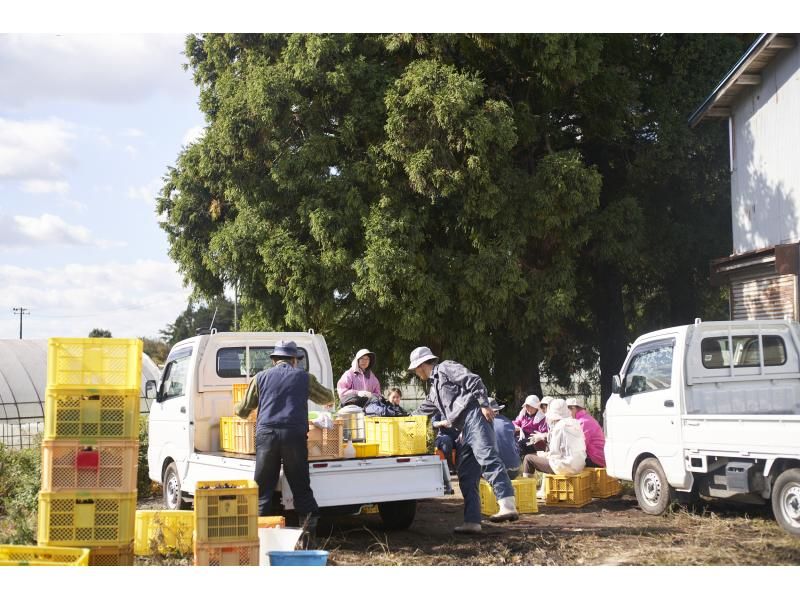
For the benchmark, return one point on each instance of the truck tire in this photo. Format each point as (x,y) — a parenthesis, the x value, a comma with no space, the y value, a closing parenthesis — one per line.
(397,515)
(786,501)
(173,497)
(652,489)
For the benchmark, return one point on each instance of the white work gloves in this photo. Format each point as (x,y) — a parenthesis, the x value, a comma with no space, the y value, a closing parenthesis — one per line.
(365,394)
(538,437)
(442,424)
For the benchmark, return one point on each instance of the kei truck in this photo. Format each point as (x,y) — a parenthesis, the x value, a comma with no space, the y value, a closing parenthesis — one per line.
(195,393)
(710,409)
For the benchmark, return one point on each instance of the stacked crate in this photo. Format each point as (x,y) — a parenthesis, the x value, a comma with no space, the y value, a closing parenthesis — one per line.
(90,447)
(398,435)
(226,523)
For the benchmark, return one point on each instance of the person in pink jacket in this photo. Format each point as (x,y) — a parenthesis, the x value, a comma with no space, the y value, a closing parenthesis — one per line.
(359,384)
(592,432)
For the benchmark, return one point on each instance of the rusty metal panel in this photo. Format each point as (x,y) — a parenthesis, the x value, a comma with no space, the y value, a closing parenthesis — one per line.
(769,297)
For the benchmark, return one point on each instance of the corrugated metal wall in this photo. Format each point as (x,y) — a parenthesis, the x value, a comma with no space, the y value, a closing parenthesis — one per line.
(766,297)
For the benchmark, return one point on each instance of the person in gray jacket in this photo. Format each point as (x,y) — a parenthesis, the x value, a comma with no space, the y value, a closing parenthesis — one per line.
(461,398)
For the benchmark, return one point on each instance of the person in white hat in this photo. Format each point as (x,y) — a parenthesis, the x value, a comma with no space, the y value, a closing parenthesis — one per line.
(531,420)
(567,448)
(592,433)
(461,398)
(359,384)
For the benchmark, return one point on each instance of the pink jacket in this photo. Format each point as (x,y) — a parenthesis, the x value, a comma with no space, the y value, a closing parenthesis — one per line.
(529,425)
(353,380)
(593,433)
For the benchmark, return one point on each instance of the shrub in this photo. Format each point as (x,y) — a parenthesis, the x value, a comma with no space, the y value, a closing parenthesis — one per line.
(20,482)
(143,485)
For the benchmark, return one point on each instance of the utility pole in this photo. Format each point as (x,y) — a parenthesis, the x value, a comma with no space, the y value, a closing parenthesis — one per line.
(22,311)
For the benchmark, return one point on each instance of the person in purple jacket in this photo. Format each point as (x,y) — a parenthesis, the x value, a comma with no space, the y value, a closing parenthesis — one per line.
(592,432)
(531,420)
(359,384)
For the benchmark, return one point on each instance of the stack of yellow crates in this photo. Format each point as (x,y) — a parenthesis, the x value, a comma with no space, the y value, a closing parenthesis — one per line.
(90,447)
(226,523)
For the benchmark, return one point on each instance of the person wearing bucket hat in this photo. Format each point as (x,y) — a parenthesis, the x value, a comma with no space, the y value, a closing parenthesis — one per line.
(461,398)
(567,448)
(592,433)
(281,394)
(359,384)
(530,421)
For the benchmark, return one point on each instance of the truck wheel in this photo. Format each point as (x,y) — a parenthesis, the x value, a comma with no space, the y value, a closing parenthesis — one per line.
(173,499)
(652,489)
(398,514)
(786,501)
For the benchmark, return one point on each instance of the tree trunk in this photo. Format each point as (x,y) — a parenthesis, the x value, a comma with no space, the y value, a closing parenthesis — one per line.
(611,328)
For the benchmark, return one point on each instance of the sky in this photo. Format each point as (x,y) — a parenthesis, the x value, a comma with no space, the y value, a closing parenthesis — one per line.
(89,124)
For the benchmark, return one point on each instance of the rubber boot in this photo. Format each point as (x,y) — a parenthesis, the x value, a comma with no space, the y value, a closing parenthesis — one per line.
(468,528)
(507,512)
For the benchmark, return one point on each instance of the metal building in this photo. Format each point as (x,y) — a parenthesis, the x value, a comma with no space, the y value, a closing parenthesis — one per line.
(23,382)
(760,98)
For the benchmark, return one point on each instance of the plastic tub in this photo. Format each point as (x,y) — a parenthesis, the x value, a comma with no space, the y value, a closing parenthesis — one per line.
(298,558)
(276,539)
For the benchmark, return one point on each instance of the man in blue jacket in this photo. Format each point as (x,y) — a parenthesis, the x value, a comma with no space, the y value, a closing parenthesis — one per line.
(461,397)
(282,393)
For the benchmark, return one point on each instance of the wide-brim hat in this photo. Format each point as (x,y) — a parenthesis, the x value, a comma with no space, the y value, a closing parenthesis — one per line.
(361,353)
(494,405)
(419,356)
(284,349)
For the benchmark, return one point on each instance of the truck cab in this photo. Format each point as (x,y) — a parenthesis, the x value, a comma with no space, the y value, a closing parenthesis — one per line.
(711,408)
(195,391)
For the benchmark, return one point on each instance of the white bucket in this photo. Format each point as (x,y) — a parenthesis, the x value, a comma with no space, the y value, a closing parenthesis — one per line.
(276,538)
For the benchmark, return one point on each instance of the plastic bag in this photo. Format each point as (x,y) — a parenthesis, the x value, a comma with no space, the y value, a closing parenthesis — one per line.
(323,421)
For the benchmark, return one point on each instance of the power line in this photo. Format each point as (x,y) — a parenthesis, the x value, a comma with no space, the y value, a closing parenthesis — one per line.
(22,311)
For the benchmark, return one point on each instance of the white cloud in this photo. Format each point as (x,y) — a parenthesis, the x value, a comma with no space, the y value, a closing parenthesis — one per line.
(193,134)
(130,299)
(47,229)
(146,193)
(132,132)
(115,68)
(34,149)
(130,150)
(39,186)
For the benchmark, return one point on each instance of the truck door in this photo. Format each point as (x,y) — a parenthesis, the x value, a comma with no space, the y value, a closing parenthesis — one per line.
(170,416)
(647,416)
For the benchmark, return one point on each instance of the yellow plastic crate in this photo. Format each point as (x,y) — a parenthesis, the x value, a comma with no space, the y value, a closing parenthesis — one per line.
(398,435)
(237,435)
(228,554)
(524,496)
(226,511)
(91,417)
(164,532)
(99,364)
(86,518)
(568,490)
(108,465)
(271,521)
(43,555)
(364,450)
(603,485)
(112,556)
(238,392)
(324,444)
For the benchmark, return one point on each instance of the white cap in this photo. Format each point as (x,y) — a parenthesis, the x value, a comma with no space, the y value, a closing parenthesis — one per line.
(532,401)
(557,410)
(545,400)
(573,402)
(419,356)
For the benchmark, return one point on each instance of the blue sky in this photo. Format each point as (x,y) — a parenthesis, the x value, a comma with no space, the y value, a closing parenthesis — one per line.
(88,126)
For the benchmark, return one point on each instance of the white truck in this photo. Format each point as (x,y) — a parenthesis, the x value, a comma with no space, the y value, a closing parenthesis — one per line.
(710,409)
(195,390)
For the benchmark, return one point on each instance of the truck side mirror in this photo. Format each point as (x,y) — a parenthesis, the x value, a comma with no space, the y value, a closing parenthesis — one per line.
(616,385)
(150,389)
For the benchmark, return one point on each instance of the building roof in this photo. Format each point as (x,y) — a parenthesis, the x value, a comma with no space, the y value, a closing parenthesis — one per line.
(746,72)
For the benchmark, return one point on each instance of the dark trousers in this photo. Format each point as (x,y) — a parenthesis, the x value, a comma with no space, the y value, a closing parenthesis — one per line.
(289,445)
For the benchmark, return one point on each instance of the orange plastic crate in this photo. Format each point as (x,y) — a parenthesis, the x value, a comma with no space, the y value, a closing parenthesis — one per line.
(237,435)
(86,518)
(99,364)
(112,556)
(568,490)
(234,554)
(108,465)
(91,417)
(324,444)
(226,511)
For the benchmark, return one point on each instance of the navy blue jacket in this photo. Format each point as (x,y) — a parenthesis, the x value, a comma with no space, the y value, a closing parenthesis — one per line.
(282,397)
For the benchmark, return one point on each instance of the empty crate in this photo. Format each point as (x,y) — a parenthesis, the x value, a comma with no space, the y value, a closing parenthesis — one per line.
(91,417)
(524,496)
(94,363)
(398,435)
(86,518)
(226,511)
(108,465)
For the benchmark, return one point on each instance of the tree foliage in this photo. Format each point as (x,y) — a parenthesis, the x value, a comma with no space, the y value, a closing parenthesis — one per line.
(507,200)
(99,333)
(198,314)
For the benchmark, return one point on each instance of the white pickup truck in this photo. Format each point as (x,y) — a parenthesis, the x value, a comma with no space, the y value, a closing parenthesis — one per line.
(195,391)
(713,409)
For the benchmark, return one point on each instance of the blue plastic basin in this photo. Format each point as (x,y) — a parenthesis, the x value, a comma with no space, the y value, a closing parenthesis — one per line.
(298,558)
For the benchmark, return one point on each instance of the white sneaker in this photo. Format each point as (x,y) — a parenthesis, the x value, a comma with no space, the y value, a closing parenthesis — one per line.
(507,512)
(468,528)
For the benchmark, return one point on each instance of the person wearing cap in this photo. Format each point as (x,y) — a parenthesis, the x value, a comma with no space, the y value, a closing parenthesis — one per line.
(531,420)
(592,433)
(281,394)
(359,384)
(461,398)
(504,432)
(567,448)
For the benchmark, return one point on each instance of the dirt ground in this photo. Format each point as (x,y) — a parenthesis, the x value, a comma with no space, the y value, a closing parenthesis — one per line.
(611,531)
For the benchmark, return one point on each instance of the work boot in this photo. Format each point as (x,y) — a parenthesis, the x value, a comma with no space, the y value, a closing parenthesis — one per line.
(507,512)
(468,528)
